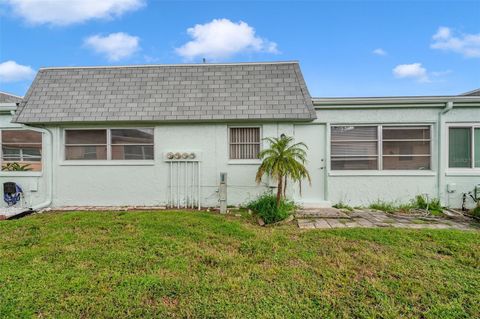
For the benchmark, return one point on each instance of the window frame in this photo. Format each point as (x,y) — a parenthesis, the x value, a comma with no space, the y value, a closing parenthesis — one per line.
(380,167)
(42,157)
(108,161)
(239,160)
(461,170)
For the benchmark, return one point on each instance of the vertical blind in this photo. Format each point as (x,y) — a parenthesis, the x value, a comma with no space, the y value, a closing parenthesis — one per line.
(244,142)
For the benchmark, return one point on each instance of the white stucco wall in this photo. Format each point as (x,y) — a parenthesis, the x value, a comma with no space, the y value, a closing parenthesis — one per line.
(362,187)
(114,184)
(117,184)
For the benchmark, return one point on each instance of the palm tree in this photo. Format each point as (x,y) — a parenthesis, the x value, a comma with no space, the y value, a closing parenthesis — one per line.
(281,161)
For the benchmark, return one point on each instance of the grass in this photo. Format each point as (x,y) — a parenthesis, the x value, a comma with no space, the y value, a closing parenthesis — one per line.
(203,265)
(419,202)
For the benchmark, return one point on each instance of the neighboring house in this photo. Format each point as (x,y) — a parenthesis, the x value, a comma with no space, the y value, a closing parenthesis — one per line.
(7,98)
(161,135)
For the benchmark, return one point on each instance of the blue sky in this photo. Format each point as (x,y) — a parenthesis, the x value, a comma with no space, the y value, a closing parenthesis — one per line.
(350,48)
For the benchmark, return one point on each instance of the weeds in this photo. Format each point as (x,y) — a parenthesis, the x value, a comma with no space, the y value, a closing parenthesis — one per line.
(342,205)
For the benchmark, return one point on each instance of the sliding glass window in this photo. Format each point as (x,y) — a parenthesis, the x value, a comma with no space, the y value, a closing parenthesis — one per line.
(464,147)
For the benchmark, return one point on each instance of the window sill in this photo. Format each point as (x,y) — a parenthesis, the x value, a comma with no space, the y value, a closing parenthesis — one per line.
(382,173)
(245,162)
(21,174)
(107,163)
(466,172)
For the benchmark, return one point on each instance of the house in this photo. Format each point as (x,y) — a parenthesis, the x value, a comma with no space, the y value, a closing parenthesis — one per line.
(161,135)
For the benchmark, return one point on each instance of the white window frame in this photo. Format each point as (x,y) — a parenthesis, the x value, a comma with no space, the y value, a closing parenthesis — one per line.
(244,161)
(109,161)
(380,170)
(461,170)
(22,173)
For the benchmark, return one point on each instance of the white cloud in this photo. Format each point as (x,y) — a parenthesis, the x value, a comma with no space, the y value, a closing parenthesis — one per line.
(413,71)
(11,71)
(379,51)
(222,38)
(115,46)
(65,12)
(467,45)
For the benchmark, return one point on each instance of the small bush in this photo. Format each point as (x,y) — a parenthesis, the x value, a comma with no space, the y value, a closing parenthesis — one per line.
(265,206)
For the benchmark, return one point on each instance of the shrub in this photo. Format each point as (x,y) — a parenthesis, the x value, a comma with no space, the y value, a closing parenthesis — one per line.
(265,206)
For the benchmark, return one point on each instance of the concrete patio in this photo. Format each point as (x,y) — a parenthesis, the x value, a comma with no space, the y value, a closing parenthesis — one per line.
(325,218)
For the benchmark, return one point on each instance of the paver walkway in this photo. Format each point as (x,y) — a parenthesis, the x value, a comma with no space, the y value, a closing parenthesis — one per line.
(324,218)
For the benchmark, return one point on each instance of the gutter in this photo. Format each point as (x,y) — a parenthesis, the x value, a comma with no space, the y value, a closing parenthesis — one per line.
(440,166)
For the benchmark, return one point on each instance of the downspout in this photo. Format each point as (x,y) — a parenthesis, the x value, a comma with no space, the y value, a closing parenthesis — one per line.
(49,199)
(441,165)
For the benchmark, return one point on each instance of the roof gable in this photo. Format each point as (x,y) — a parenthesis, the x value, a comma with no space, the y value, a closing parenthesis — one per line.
(199,92)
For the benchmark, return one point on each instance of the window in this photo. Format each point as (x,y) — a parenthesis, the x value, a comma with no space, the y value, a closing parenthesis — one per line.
(128,144)
(109,144)
(406,148)
(23,147)
(380,147)
(354,148)
(464,147)
(244,142)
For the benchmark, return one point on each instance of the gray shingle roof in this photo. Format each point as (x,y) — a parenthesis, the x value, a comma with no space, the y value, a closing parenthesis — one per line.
(200,92)
(472,93)
(9,98)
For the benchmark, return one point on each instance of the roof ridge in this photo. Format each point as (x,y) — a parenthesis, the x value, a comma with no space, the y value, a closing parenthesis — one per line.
(166,65)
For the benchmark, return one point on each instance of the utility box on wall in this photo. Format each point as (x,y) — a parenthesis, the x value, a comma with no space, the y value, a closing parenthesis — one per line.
(222,193)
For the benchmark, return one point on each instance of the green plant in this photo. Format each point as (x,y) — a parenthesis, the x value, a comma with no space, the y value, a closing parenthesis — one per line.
(475,212)
(383,206)
(266,207)
(16,167)
(342,205)
(283,160)
(433,206)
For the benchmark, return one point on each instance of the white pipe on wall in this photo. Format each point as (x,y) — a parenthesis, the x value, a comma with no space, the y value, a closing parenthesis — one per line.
(440,164)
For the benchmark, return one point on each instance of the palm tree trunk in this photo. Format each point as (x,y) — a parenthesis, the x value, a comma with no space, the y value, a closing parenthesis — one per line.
(285,188)
(279,189)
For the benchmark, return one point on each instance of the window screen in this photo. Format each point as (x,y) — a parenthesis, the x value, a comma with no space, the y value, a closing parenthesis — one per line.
(354,148)
(406,148)
(23,147)
(132,144)
(86,144)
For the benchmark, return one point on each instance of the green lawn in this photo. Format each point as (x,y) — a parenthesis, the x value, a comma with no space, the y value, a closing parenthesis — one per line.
(203,265)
